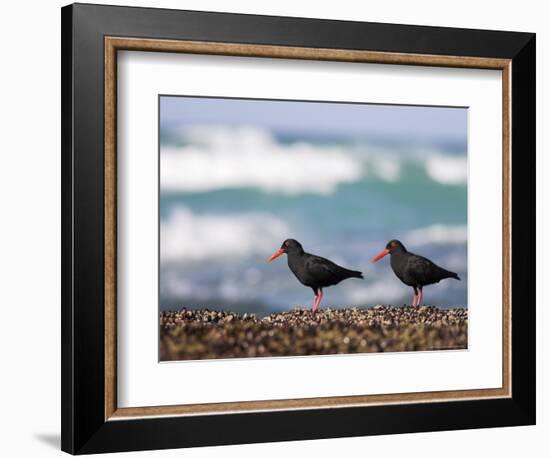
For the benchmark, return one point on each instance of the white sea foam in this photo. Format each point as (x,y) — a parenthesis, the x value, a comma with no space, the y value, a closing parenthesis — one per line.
(438,234)
(385,290)
(219,157)
(386,168)
(448,170)
(188,236)
(222,158)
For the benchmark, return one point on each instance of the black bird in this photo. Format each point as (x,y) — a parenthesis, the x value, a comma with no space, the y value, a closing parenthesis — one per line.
(313,271)
(413,270)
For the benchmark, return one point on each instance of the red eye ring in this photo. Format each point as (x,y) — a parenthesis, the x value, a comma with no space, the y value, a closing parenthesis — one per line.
(286,243)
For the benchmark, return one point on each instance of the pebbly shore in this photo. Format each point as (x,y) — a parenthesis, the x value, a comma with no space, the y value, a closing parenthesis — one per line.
(207,334)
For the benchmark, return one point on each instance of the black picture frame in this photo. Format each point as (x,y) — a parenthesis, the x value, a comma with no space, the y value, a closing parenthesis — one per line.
(84,428)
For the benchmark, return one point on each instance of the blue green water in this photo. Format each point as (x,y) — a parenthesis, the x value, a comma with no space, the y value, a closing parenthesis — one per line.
(230,196)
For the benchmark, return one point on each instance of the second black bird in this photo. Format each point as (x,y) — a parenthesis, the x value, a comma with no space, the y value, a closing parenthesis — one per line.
(413,270)
(313,271)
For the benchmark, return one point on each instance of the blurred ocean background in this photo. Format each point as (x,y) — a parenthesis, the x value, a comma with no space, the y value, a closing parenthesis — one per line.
(239,176)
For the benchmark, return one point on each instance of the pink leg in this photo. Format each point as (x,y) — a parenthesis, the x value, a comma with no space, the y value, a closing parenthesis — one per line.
(316,303)
(317,300)
(414,300)
(419,298)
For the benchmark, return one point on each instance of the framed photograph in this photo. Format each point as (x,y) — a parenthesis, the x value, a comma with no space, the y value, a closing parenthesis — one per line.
(280,228)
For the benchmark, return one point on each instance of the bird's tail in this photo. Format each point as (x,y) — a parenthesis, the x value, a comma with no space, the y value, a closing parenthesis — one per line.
(453,275)
(355,274)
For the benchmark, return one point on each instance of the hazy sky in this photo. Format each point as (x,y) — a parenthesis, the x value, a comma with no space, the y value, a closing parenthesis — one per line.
(331,118)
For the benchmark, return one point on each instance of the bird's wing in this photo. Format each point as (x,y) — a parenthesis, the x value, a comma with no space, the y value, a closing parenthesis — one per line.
(424,270)
(323,270)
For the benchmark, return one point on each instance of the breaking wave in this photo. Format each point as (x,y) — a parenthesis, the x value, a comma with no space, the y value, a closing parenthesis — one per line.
(438,234)
(189,236)
(208,158)
(449,170)
(221,158)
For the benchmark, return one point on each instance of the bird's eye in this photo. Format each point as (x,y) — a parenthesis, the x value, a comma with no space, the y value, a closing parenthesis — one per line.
(393,244)
(286,243)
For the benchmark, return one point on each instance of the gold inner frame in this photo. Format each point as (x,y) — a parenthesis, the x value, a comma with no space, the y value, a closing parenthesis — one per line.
(114,44)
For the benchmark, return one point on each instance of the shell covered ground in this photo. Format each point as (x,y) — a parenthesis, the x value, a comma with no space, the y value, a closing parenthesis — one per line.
(207,334)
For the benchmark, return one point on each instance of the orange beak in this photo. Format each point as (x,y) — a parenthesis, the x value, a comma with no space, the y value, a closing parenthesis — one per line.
(276,255)
(381,255)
